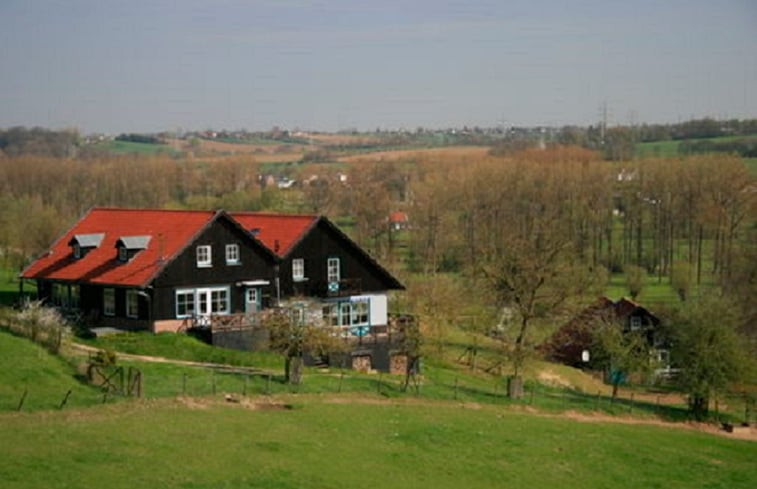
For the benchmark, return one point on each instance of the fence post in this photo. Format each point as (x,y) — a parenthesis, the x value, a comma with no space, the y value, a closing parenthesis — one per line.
(378,384)
(184,384)
(246,381)
(213,381)
(341,379)
(21,401)
(268,385)
(531,396)
(630,405)
(596,402)
(65,400)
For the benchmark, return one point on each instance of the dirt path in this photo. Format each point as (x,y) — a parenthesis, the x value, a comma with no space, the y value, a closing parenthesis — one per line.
(86,349)
(742,433)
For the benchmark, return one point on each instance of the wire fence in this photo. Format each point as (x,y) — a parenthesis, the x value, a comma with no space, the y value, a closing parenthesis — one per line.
(169,381)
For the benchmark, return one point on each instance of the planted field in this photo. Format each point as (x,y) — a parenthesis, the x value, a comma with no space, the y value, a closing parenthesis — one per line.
(296,441)
(452,151)
(129,147)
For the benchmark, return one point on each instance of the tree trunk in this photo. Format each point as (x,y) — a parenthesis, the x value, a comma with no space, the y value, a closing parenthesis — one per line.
(515,387)
(296,367)
(698,406)
(293,366)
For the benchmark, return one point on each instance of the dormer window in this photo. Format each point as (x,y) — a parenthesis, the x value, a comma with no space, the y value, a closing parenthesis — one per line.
(128,246)
(81,244)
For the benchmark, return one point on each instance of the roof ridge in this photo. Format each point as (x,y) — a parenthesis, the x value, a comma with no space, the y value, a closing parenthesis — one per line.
(272,214)
(153,209)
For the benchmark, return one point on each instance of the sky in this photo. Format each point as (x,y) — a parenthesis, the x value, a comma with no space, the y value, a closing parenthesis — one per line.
(148,66)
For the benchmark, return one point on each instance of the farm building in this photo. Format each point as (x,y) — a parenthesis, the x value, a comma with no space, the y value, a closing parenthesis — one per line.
(569,342)
(167,270)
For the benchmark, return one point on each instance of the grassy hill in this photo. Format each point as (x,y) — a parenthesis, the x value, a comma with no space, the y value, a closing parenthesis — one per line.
(46,378)
(317,442)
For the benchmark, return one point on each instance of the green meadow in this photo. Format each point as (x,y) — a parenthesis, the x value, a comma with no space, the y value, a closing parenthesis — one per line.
(306,441)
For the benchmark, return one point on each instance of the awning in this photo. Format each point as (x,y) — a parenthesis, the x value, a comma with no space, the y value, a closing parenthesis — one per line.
(253,283)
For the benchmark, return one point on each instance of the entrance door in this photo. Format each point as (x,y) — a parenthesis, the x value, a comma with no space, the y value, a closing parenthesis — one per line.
(251,300)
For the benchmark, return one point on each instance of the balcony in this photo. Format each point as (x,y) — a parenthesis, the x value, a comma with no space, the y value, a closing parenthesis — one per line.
(322,288)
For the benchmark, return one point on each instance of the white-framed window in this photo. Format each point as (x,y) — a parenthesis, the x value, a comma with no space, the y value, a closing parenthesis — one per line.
(123,254)
(204,256)
(232,254)
(635,323)
(202,302)
(360,313)
(185,303)
(219,301)
(333,272)
(346,313)
(298,269)
(109,302)
(132,304)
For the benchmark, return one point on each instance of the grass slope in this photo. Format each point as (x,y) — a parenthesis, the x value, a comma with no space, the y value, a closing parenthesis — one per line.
(25,366)
(325,443)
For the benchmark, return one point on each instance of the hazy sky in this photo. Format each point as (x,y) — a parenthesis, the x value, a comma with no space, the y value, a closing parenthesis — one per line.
(118,66)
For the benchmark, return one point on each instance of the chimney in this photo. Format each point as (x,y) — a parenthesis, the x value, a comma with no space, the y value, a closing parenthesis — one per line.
(276,246)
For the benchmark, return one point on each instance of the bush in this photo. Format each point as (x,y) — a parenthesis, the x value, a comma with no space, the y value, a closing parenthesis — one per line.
(42,325)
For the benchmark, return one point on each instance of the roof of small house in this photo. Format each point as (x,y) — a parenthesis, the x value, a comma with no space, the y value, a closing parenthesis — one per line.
(159,234)
(398,217)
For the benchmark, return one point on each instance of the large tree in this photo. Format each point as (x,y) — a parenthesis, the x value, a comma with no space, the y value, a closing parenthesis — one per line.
(709,351)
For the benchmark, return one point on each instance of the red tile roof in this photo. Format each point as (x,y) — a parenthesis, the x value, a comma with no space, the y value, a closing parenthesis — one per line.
(170,232)
(278,232)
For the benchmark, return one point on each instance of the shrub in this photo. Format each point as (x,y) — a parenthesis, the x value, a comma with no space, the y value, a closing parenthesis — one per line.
(43,325)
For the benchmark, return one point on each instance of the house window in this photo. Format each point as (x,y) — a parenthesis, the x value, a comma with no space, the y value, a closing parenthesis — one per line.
(635,323)
(59,295)
(219,301)
(204,256)
(185,303)
(298,314)
(132,304)
(298,269)
(77,251)
(347,314)
(74,297)
(331,315)
(109,302)
(123,254)
(360,313)
(232,254)
(332,270)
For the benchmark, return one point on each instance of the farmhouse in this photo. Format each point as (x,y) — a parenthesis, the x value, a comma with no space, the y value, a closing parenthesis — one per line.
(567,344)
(168,270)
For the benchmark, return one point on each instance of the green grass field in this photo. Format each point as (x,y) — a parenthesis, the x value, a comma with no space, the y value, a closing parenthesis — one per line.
(666,149)
(457,430)
(129,147)
(306,441)
(46,378)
